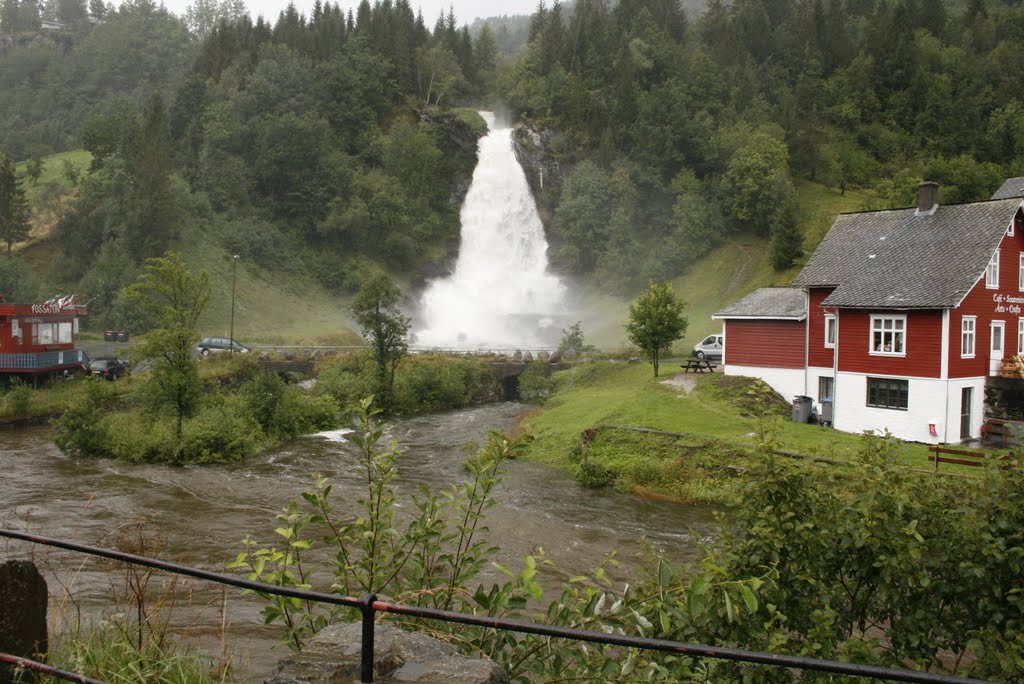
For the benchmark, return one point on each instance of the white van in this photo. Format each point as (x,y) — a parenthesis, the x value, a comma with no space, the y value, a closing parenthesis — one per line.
(711,347)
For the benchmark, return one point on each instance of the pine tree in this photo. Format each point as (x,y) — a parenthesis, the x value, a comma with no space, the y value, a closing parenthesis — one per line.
(14,226)
(787,240)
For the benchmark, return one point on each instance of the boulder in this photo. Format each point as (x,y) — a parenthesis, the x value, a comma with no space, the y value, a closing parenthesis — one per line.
(334,656)
(23,598)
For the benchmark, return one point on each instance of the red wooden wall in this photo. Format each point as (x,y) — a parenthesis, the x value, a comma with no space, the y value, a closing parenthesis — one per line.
(772,344)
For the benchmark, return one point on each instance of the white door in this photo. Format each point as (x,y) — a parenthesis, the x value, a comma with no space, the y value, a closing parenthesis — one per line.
(996,347)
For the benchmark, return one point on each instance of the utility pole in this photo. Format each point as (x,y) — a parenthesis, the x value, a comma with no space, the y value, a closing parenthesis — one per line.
(234,266)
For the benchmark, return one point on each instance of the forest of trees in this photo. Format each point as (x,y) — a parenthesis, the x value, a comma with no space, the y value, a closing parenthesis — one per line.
(326,139)
(686,129)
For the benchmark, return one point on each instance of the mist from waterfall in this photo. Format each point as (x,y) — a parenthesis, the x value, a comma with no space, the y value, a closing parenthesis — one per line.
(500,295)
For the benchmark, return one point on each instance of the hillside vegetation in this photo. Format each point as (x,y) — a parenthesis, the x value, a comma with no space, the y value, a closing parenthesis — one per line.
(710,150)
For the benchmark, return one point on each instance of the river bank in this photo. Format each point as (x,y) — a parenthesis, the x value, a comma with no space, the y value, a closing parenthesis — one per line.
(716,420)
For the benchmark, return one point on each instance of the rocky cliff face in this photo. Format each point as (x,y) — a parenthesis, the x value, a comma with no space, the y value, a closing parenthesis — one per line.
(545,174)
(458,143)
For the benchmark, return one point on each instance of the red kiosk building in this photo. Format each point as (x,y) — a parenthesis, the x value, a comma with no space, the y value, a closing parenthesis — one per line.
(39,339)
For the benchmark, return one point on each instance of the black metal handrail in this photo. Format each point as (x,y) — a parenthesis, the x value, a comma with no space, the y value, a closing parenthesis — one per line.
(369,606)
(35,666)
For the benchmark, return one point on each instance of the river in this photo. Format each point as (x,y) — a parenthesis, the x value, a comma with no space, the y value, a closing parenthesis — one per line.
(202,512)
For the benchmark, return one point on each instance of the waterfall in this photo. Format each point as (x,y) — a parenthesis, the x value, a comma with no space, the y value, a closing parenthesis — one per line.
(500,294)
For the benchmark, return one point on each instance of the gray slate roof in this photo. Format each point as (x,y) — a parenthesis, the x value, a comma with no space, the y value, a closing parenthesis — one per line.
(894,259)
(1013,187)
(768,302)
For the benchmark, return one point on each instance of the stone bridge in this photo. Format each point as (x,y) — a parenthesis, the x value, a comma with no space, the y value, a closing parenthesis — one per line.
(508,365)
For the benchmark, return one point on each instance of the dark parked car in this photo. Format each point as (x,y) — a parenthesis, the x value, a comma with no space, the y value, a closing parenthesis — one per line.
(108,367)
(217,345)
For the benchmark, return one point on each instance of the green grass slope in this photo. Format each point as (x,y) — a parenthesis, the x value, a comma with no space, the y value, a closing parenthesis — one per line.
(271,307)
(608,393)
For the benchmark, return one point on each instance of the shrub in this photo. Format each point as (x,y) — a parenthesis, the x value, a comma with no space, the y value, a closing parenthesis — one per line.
(438,382)
(347,378)
(422,382)
(299,412)
(83,427)
(594,474)
(534,385)
(17,399)
(222,431)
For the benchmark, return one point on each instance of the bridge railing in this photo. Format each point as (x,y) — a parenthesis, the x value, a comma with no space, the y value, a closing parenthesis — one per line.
(369,606)
(42,360)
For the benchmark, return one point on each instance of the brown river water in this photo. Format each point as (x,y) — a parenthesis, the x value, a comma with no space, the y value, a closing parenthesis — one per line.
(202,512)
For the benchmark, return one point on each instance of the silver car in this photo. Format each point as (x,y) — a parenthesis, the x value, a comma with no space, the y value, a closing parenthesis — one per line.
(711,347)
(216,345)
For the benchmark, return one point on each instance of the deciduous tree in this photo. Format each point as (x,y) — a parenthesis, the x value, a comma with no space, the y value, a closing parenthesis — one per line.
(385,327)
(176,297)
(656,321)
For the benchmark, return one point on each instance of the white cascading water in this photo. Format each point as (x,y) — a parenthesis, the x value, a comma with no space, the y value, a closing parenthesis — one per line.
(501,295)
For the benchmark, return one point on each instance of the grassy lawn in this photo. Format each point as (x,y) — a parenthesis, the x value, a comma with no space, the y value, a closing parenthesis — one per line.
(53,173)
(606,393)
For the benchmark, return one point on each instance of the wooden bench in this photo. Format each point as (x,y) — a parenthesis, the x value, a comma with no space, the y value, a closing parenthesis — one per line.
(963,457)
(698,366)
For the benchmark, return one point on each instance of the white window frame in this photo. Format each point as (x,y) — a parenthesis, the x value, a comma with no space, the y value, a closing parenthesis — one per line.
(992,272)
(43,333)
(830,327)
(826,380)
(968,336)
(1009,230)
(1020,335)
(878,324)
(1020,274)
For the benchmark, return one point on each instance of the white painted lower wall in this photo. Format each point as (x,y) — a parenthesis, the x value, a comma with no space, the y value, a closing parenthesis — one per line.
(929,402)
(789,382)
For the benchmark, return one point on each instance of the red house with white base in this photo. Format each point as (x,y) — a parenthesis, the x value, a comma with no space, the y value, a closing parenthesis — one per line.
(904,314)
(40,338)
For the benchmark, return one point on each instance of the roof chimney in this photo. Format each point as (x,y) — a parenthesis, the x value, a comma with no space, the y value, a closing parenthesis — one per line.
(927,198)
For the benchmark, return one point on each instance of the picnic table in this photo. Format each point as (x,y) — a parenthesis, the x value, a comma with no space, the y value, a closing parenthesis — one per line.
(698,366)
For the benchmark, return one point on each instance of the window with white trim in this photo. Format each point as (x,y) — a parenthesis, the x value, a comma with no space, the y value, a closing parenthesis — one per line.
(43,333)
(1020,335)
(826,387)
(830,331)
(992,272)
(1009,229)
(968,325)
(889,335)
(888,393)
(1020,274)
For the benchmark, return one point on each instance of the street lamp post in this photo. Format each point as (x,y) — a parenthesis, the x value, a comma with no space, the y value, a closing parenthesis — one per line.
(234,266)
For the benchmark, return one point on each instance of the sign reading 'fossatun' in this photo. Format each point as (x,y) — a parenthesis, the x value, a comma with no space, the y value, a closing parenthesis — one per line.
(46,308)
(1007,304)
